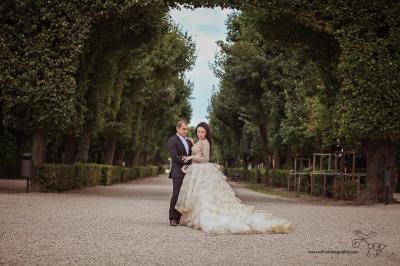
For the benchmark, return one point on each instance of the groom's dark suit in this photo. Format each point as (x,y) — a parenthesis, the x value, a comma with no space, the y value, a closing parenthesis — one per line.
(176,150)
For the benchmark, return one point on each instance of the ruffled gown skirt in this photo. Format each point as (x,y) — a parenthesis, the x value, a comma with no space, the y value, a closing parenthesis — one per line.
(208,202)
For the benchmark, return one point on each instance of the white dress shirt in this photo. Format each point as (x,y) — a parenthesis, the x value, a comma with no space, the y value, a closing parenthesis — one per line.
(183,139)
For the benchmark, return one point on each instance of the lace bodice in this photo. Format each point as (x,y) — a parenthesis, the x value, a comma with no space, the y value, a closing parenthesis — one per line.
(201,151)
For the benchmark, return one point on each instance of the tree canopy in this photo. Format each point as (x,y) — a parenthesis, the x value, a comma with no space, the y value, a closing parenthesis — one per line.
(99,80)
(305,73)
(109,71)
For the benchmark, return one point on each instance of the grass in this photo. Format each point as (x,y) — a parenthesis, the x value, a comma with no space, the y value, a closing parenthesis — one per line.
(283,192)
(277,191)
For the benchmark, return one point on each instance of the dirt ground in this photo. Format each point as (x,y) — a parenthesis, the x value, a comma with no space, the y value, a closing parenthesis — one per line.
(127,224)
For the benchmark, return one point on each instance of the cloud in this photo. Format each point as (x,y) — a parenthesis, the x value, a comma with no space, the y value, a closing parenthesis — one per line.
(207,26)
(198,18)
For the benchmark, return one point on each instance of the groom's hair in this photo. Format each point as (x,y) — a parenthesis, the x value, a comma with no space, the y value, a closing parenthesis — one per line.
(181,122)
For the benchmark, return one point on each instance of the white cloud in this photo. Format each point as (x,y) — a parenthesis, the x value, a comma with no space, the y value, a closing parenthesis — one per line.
(207,26)
(201,16)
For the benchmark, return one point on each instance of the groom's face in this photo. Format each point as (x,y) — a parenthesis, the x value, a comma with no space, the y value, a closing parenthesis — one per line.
(183,130)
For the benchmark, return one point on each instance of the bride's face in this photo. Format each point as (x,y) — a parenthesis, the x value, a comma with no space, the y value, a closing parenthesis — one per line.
(201,133)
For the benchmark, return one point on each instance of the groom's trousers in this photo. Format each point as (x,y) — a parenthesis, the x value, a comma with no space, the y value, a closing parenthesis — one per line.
(176,187)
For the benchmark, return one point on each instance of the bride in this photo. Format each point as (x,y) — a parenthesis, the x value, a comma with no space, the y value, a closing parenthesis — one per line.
(207,202)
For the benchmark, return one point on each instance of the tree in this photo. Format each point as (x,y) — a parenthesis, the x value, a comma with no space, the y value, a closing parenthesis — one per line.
(358,61)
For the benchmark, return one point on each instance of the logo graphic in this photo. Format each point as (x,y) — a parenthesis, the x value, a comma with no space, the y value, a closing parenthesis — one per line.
(361,238)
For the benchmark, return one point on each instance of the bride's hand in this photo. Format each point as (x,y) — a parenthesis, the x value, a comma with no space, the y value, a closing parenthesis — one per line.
(185,158)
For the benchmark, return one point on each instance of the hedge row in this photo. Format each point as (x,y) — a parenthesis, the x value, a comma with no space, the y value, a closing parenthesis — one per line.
(61,177)
(277,177)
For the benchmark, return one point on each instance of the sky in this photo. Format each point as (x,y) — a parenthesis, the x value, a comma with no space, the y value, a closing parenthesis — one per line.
(206,26)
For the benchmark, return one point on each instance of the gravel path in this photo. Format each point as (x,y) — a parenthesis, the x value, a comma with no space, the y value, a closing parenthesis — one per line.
(127,224)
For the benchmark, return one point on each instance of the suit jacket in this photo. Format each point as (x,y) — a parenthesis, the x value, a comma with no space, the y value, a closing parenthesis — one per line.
(176,150)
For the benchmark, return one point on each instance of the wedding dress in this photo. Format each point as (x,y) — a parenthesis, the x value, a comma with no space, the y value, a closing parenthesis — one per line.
(207,201)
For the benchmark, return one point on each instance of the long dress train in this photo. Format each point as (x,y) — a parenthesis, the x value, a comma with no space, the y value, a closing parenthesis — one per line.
(208,202)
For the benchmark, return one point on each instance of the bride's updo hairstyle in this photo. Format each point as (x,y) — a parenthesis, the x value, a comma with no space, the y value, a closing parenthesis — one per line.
(208,133)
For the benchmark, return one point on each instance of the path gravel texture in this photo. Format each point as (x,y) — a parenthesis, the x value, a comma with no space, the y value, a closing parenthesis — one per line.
(127,224)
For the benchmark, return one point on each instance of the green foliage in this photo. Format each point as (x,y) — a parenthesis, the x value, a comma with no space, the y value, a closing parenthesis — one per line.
(40,50)
(367,64)
(86,175)
(112,174)
(311,72)
(147,171)
(277,177)
(164,97)
(110,68)
(275,94)
(294,75)
(128,174)
(58,177)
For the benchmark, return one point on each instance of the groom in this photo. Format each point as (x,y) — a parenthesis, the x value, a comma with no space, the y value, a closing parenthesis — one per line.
(178,146)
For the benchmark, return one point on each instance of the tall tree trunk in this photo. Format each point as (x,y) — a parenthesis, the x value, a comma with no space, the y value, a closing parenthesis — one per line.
(264,146)
(245,162)
(143,158)
(83,147)
(39,151)
(39,147)
(289,159)
(236,160)
(136,157)
(380,153)
(119,156)
(111,144)
(70,144)
(265,150)
(128,158)
(277,158)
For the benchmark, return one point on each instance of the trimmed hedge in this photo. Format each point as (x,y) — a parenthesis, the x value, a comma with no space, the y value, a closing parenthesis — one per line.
(61,177)
(55,178)
(147,170)
(277,177)
(87,175)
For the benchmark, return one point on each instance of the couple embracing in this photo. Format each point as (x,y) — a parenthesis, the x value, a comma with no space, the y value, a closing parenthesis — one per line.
(202,198)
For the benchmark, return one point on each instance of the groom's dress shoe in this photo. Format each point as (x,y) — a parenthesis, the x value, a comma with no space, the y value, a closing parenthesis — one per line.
(173,222)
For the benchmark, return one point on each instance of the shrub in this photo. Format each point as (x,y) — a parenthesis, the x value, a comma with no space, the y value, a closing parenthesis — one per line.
(147,170)
(116,173)
(134,173)
(125,174)
(56,178)
(87,175)
(60,177)
(106,176)
(111,174)
(277,177)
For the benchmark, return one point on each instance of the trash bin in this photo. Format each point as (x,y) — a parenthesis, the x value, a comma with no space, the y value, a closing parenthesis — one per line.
(26,168)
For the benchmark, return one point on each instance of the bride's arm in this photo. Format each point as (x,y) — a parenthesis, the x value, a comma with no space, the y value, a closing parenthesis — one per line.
(204,157)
